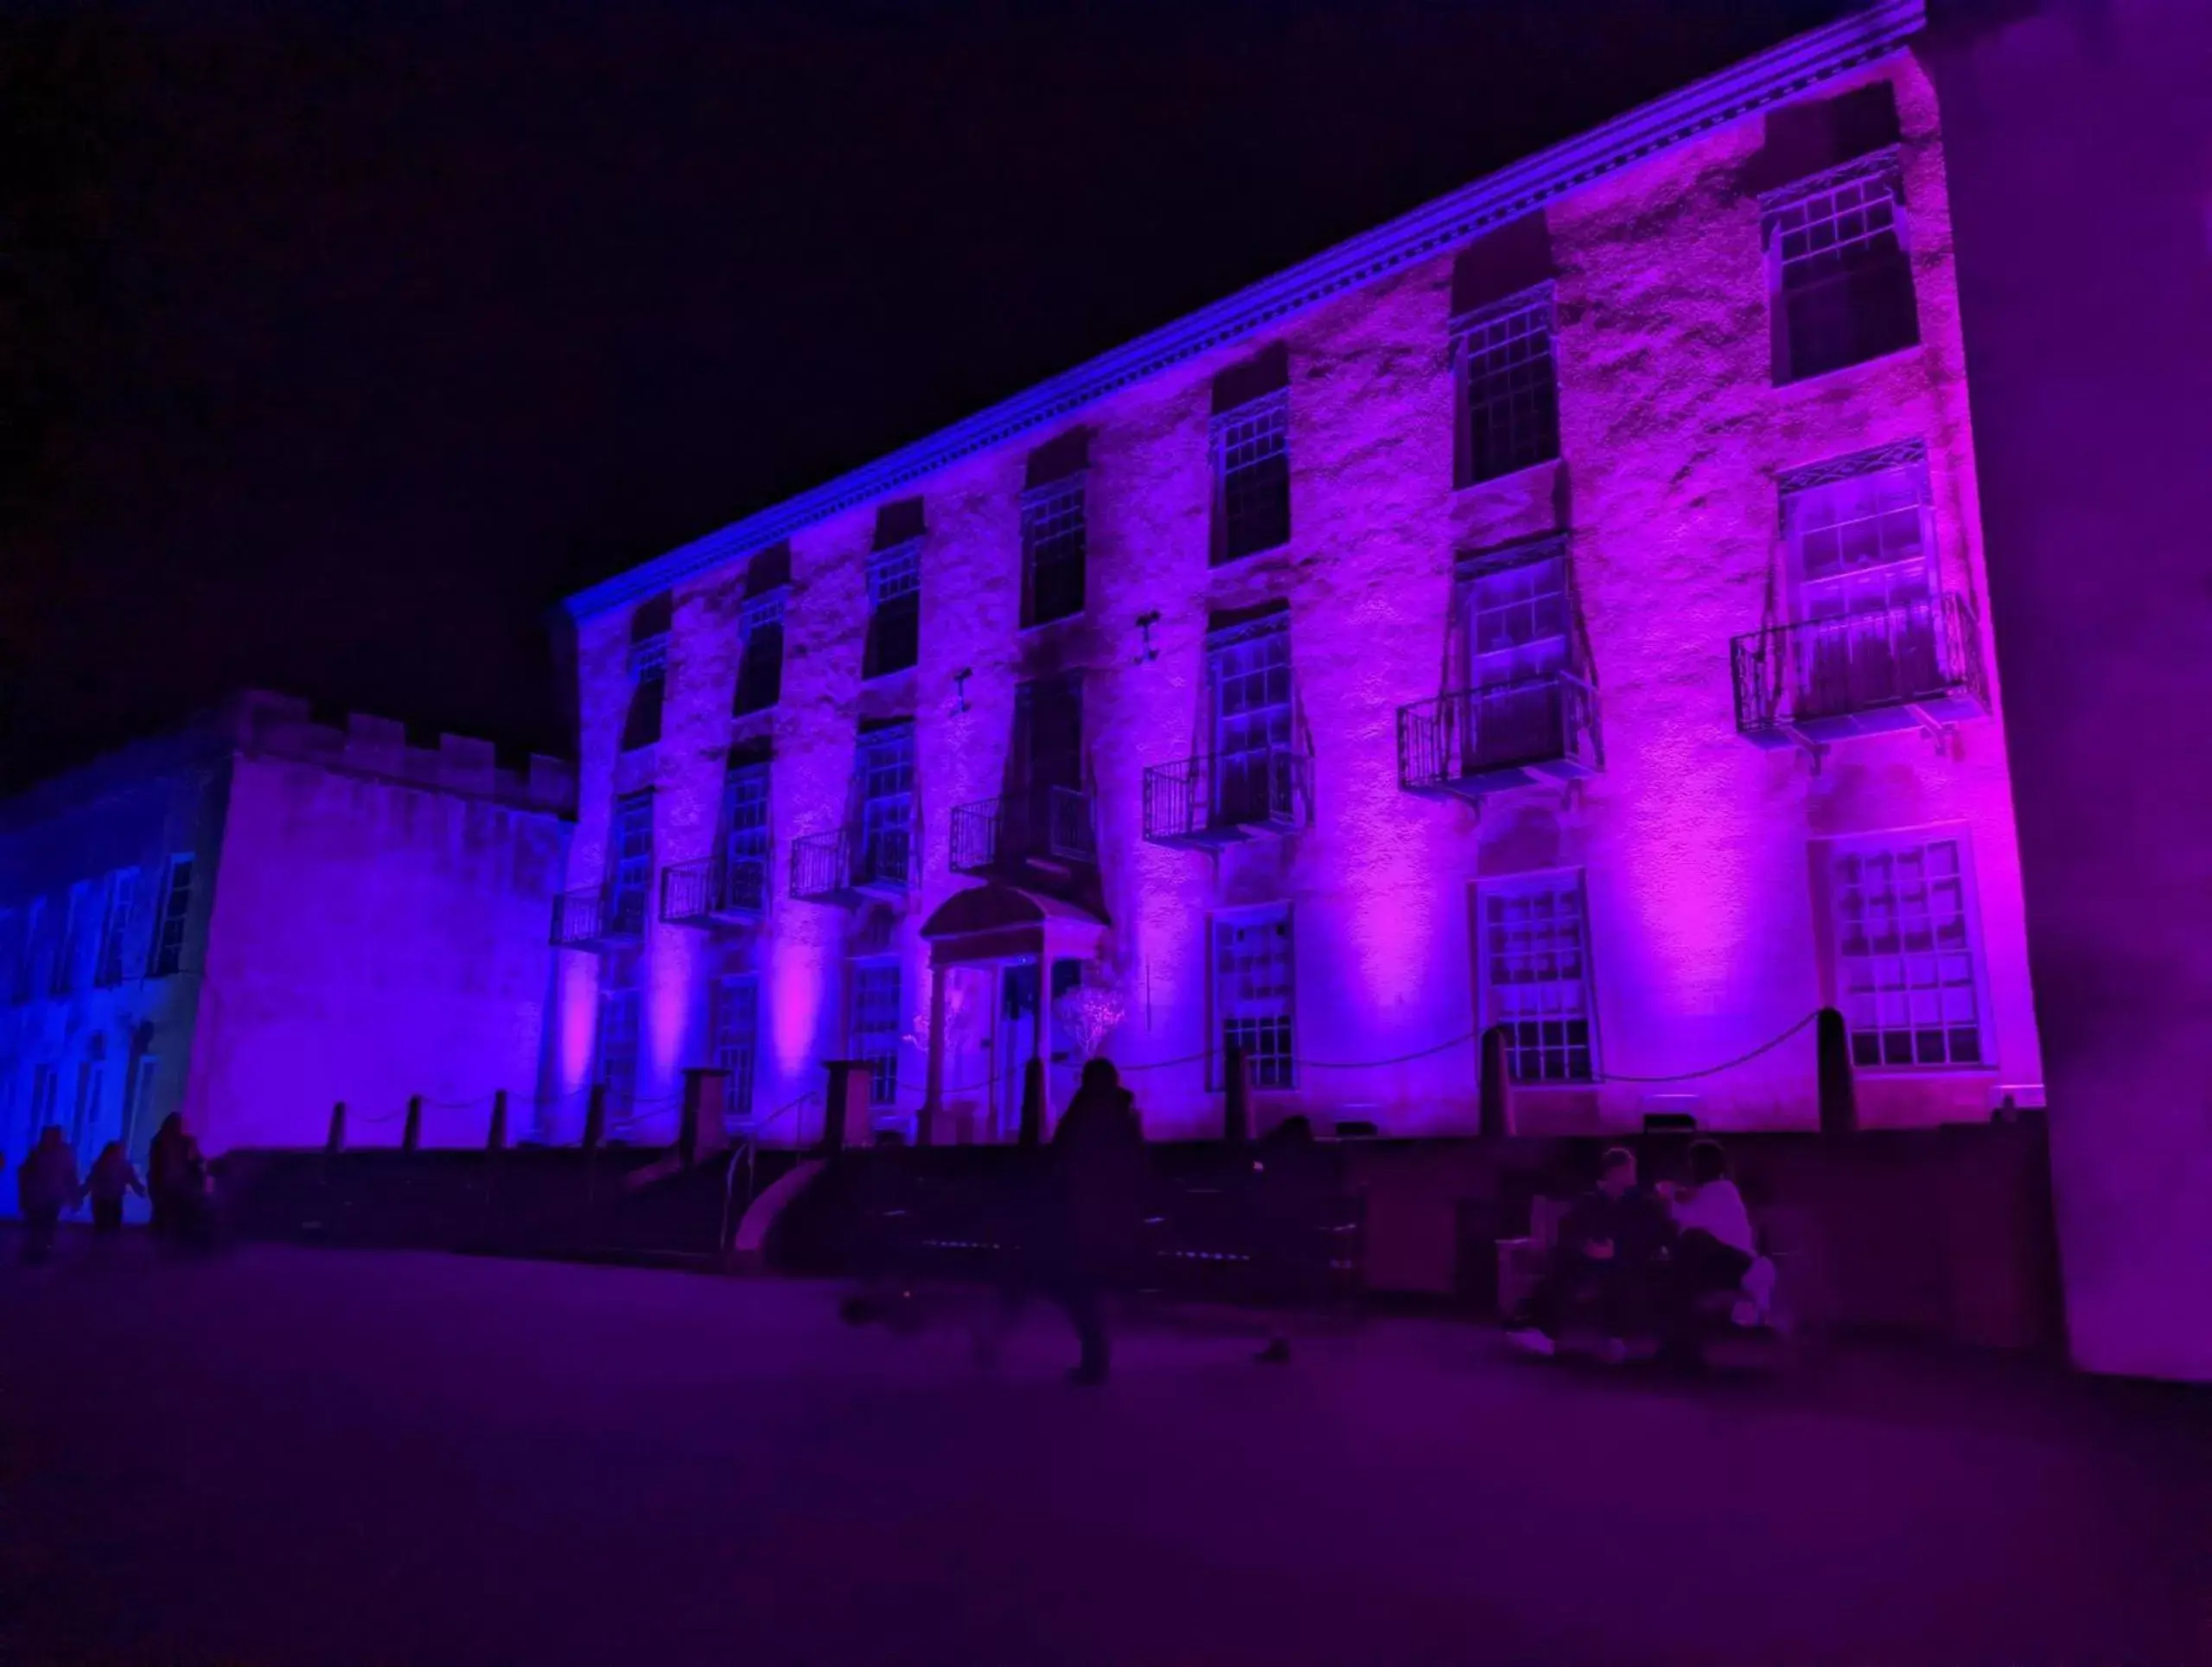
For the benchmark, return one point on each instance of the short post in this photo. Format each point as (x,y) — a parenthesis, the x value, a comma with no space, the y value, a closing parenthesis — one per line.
(1236,1097)
(933,1094)
(411,1134)
(595,1117)
(700,1131)
(1839,1101)
(1494,1087)
(336,1141)
(495,1137)
(1032,1127)
(846,1104)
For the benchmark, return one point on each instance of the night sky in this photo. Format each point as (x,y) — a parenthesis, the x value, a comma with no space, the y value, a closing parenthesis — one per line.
(345,339)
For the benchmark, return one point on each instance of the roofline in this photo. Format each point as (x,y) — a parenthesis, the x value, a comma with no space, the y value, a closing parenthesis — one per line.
(1796,65)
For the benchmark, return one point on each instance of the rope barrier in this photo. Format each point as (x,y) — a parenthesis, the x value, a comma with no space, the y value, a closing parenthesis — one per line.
(1726,1065)
(1378,1064)
(1162,1065)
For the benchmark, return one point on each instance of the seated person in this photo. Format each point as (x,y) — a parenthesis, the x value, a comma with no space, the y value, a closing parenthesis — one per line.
(1715,1246)
(1604,1266)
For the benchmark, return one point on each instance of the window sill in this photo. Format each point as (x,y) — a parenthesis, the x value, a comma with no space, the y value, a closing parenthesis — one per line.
(1217,563)
(1585,1086)
(1035,625)
(875,680)
(1512,477)
(1919,1073)
(1792,384)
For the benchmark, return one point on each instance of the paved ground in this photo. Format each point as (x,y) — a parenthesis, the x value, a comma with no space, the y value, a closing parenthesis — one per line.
(295,1457)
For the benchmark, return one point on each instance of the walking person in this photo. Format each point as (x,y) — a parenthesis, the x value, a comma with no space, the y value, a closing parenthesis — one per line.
(167,1180)
(46,1184)
(112,1177)
(1096,1186)
(1293,1178)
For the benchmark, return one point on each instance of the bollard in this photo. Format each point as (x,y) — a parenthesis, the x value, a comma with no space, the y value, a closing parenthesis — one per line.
(846,1077)
(1236,1097)
(1496,1087)
(496,1138)
(336,1142)
(1839,1101)
(595,1117)
(411,1136)
(1032,1125)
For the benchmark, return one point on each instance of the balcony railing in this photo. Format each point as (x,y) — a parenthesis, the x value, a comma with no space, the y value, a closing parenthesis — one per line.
(1471,742)
(1826,680)
(599,918)
(850,864)
(1047,825)
(714,892)
(1221,798)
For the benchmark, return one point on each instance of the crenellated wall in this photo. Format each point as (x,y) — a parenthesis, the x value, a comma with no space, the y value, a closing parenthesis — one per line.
(365,919)
(380,932)
(1701,854)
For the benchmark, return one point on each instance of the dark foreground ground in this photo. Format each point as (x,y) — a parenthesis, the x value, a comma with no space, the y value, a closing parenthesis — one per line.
(301,1457)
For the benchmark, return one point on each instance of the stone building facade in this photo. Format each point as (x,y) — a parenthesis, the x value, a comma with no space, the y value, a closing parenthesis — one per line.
(1561,609)
(260,914)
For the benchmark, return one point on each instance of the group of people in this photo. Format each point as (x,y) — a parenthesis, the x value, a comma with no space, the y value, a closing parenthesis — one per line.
(48,1186)
(1635,1268)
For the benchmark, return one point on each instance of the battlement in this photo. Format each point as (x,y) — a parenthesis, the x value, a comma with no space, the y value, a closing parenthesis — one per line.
(285,726)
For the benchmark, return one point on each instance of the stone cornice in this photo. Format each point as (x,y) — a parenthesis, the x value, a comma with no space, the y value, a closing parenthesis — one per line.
(1787,70)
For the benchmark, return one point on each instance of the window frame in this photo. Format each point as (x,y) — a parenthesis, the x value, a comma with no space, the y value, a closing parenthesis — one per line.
(725,999)
(1880,169)
(1828,901)
(873,819)
(753,842)
(163,959)
(894,576)
(622,862)
(648,674)
(1285,1081)
(1232,794)
(115,925)
(68,947)
(760,617)
(1487,1014)
(882,1065)
(1494,320)
(1055,536)
(626,1002)
(1268,416)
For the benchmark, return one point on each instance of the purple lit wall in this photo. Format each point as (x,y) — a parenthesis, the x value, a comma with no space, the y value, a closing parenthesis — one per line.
(1703,857)
(379,932)
(2082,146)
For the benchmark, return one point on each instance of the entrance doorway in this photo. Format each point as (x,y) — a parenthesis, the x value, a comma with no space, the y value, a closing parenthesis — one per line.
(1015,1042)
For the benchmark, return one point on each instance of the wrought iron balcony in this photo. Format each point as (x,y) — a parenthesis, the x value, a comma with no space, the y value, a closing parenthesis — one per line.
(1826,680)
(713,891)
(850,864)
(1048,826)
(599,918)
(1470,742)
(1219,799)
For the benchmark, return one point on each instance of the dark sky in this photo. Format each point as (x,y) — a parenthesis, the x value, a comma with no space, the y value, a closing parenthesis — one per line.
(344,339)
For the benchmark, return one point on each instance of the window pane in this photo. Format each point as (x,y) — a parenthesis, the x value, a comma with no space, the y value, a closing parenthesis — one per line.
(1252,465)
(1253,991)
(1904,963)
(1509,391)
(873,1036)
(1843,281)
(1053,548)
(1535,978)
